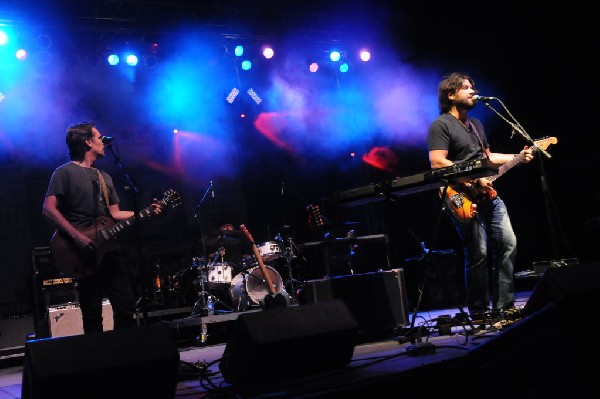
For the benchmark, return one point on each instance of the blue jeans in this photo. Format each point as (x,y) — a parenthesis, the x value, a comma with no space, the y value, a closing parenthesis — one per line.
(489,249)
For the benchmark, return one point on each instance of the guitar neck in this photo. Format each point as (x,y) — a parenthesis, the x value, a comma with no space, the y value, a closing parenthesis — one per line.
(261,264)
(506,166)
(538,144)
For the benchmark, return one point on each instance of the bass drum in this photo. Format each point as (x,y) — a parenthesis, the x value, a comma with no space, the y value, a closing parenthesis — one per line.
(249,288)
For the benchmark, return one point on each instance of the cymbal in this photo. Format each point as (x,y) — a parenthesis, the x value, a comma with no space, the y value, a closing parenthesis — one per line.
(225,233)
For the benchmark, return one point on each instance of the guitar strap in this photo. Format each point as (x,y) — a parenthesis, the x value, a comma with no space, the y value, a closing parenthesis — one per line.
(472,126)
(104,190)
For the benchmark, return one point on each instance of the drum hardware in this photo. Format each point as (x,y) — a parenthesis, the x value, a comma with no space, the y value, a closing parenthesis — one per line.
(289,255)
(240,298)
(199,309)
(218,276)
(248,262)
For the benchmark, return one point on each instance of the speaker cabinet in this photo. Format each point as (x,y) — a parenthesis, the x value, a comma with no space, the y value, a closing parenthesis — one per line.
(377,300)
(441,273)
(312,338)
(136,362)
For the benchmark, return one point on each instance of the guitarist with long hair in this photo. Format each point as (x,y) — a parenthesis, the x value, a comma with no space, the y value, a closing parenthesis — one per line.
(484,228)
(78,196)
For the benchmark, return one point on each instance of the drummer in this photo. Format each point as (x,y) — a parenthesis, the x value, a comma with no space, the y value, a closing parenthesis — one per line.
(232,247)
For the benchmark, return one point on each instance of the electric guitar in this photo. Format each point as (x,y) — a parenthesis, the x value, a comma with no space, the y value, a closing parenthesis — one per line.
(275,298)
(72,261)
(461,198)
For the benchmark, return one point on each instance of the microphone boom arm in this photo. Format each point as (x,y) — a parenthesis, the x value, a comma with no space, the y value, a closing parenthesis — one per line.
(517,127)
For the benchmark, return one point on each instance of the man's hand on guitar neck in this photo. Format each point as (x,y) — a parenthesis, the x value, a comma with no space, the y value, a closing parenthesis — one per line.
(527,154)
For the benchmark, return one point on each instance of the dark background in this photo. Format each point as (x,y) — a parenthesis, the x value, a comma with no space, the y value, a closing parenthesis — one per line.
(539,60)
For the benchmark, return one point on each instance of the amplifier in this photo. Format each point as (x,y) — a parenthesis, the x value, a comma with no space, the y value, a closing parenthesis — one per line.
(52,288)
(377,300)
(46,275)
(66,319)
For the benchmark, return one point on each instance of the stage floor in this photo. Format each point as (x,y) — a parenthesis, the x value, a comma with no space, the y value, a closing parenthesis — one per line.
(440,355)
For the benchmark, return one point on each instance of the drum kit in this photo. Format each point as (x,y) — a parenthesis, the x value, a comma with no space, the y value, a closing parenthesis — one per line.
(231,287)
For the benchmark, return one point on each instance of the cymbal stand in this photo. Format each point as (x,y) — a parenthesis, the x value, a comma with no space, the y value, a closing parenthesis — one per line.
(289,256)
(199,309)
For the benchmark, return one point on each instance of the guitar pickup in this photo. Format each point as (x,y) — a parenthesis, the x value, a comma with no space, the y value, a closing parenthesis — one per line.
(457,200)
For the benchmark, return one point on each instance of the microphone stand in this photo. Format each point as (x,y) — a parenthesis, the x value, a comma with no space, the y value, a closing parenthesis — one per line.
(134,191)
(195,214)
(551,214)
(197,208)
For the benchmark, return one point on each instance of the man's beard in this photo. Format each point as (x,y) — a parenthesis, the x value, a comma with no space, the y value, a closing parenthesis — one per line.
(465,105)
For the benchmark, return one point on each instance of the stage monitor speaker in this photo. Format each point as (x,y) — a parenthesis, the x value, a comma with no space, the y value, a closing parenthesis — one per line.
(577,286)
(136,362)
(377,300)
(548,350)
(312,339)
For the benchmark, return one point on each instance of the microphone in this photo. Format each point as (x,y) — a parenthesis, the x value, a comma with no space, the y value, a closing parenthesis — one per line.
(212,189)
(282,187)
(483,98)
(106,139)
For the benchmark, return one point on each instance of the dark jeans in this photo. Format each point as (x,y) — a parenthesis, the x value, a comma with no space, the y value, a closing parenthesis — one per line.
(490,249)
(112,279)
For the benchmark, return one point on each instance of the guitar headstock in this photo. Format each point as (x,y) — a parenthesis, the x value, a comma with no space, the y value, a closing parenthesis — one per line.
(170,198)
(315,218)
(545,142)
(245,230)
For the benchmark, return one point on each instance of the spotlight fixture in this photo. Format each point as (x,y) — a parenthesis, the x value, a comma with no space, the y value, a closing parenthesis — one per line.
(21,54)
(232,95)
(365,55)
(246,65)
(113,59)
(131,59)
(268,52)
(254,96)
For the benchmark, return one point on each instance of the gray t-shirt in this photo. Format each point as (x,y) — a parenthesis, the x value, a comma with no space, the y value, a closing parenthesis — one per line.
(79,193)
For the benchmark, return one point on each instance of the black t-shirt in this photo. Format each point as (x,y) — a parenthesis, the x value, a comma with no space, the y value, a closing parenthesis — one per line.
(447,133)
(79,193)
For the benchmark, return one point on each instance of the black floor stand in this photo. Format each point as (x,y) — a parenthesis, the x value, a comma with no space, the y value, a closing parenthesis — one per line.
(413,334)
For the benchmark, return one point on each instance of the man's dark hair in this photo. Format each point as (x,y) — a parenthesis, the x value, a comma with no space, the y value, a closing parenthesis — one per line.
(450,84)
(77,135)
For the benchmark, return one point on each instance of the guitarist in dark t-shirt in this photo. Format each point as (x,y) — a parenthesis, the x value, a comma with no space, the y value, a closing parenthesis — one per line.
(454,137)
(78,198)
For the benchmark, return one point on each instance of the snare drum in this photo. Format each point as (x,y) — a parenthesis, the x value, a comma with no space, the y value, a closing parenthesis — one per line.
(269,251)
(219,273)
